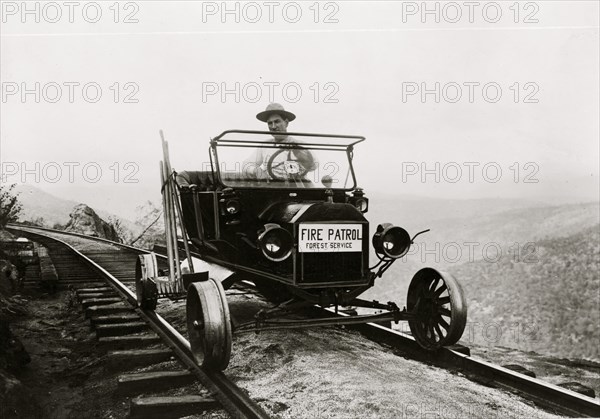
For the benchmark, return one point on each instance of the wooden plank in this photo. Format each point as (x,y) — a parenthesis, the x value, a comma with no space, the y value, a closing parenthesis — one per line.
(136,357)
(107,309)
(147,382)
(128,342)
(114,318)
(120,329)
(99,301)
(89,296)
(94,289)
(169,407)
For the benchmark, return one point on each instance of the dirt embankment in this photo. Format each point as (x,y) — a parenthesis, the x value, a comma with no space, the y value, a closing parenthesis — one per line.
(61,349)
(336,373)
(14,396)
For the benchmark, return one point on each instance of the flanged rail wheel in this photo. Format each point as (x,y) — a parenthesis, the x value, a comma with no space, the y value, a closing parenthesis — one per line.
(437,300)
(208,323)
(146,269)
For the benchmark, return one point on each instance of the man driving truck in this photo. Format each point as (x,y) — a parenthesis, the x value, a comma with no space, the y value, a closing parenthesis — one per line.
(256,166)
(277,119)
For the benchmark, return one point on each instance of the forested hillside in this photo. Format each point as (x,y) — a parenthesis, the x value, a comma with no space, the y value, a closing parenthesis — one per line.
(540,293)
(551,305)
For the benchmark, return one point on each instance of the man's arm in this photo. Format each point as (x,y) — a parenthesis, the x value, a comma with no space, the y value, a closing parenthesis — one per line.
(253,166)
(306,158)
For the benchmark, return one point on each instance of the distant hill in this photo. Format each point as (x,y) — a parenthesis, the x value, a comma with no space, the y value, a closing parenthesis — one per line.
(417,212)
(39,204)
(541,296)
(54,210)
(484,220)
(477,227)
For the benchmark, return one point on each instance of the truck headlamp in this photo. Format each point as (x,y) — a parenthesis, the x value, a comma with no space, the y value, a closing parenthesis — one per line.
(391,241)
(232,206)
(361,204)
(275,242)
(359,201)
(230,203)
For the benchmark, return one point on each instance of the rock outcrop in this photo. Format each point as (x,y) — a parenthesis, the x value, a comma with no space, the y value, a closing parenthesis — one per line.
(84,220)
(6,236)
(9,278)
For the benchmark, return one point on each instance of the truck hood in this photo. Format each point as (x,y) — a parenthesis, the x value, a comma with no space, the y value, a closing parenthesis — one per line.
(290,212)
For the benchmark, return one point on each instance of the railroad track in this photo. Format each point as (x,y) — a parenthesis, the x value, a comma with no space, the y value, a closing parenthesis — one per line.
(555,398)
(111,305)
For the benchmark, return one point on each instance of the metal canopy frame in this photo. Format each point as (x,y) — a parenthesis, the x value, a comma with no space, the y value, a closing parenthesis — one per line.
(349,144)
(220,141)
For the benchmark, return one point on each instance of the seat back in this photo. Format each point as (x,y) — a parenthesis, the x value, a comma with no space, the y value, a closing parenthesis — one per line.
(202,179)
(205,187)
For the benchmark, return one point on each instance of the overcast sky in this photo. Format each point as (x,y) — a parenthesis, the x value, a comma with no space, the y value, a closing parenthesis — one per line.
(512,87)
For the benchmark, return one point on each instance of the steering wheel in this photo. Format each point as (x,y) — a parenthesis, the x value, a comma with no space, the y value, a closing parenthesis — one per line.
(272,164)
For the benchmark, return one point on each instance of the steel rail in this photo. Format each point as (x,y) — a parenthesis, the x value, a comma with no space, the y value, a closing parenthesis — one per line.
(233,399)
(559,399)
(83,236)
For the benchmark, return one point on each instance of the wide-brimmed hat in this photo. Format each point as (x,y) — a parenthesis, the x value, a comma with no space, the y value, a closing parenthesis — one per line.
(275,108)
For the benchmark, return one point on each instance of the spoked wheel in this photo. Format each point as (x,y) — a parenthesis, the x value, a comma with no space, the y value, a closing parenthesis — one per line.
(439,304)
(146,270)
(209,325)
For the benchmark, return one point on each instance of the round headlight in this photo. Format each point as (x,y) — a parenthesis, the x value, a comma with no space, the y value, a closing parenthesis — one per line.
(391,241)
(361,204)
(275,242)
(232,206)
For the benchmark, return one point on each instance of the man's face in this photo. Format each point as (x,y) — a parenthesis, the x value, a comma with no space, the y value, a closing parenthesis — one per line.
(276,123)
